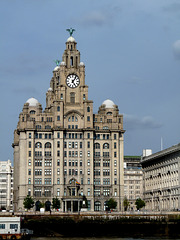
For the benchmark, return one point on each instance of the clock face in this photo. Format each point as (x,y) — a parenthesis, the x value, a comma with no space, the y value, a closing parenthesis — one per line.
(72,81)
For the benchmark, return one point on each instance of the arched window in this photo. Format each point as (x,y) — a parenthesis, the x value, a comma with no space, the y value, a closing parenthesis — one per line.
(38,145)
(106,146)
(48,145)
(58,108)
(72,97)
(109,113)
(32,112)
(97,146)
(88,109)
(71,61)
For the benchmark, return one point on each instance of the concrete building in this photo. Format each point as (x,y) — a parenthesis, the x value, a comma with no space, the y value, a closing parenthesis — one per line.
(162,179)
(65,150)
(133,180)
(6,185)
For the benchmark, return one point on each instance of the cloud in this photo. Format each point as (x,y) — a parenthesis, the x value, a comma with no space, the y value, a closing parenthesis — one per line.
(26,90)
(172,8)
(100,17)
(176,49)
(135,80)
(133,122)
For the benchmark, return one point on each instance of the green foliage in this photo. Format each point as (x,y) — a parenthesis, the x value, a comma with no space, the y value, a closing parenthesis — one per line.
(111,203)
(56,203)
(126,204)
(139,203)
(42,205)
(28,202)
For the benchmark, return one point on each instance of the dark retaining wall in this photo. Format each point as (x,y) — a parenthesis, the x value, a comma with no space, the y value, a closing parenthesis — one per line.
(96,227)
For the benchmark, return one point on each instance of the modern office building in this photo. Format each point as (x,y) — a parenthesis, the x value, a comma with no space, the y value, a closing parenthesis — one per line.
(162,179)
(65,150)
(133,180)
(6,185)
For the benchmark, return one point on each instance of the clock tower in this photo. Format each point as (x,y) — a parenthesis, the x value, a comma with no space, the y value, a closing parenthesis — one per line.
(67,87)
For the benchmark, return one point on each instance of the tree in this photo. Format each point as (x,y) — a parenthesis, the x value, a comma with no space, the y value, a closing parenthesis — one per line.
(111,203)
(28,202)
(139,203)
(126,203)
(56,203)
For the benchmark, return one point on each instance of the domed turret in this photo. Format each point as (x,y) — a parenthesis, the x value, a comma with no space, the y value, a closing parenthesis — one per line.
(71,39)
(32,102)
(108,103)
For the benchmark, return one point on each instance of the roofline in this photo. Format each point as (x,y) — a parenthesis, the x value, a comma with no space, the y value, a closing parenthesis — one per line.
(162,153)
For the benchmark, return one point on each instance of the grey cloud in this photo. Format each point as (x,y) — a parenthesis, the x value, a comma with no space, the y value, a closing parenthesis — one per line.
(172,8)
(133,122)
(26,90)
(100,17)
(135,80)
(176,49)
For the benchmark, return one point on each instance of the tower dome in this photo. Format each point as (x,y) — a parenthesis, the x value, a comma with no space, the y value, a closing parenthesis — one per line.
(108,103)
(56,68)
(32,102)
(71,39)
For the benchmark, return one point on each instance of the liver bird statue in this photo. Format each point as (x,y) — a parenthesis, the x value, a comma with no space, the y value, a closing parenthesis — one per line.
(70,30)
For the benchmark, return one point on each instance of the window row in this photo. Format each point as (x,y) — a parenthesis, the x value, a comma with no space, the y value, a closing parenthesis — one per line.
(73,144)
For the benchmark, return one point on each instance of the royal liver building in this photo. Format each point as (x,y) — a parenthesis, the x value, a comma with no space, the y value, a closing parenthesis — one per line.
(65,150)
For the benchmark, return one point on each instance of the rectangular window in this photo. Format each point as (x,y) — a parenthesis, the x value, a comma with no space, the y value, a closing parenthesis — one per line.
(88,192)
(88,181)
(88,144)
(29,181)
(88,153)
(114,136)
(29,144)
(58,192)
(29,172)
(114,145)
(2,226)
(58,118)
(13,226)
(115,154)
(58,181)
(29,153)
(29,135)
(88,135)
(58,135)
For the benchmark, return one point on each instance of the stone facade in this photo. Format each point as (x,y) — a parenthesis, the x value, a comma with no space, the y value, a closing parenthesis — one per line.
(66,150)
(133,180)
(162,179)
(6,185)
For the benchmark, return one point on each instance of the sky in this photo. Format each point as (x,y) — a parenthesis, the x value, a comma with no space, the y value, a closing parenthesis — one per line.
(131,50)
